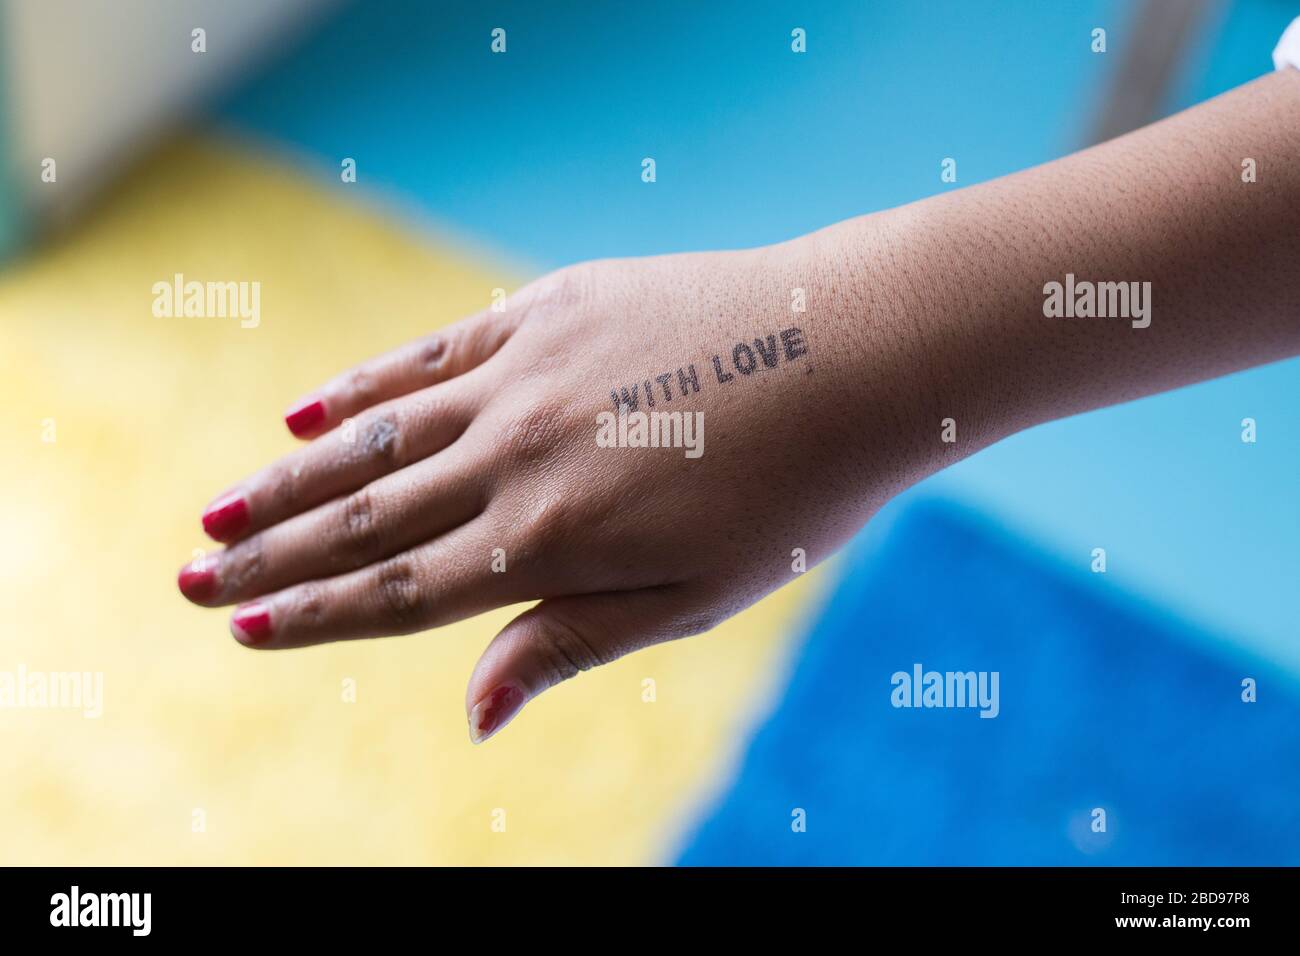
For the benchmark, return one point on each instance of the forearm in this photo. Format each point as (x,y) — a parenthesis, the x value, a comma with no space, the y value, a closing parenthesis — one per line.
(955,284)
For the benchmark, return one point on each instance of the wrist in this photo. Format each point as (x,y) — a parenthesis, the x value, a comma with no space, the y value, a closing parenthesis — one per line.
(911,357)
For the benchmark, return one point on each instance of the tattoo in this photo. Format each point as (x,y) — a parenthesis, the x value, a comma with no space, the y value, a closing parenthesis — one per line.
(744,359)
(380,439)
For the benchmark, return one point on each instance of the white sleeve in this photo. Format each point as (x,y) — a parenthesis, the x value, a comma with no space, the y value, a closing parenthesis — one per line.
(1287,51)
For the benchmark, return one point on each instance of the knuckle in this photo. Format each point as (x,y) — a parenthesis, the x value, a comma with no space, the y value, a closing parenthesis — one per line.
(310,605)
(570,287)
(285,488)
(242,565)
(549,523)
(398,591)
(564,652)
(361,384)
(476,341)
(431,354)
(359,532)
(535,434)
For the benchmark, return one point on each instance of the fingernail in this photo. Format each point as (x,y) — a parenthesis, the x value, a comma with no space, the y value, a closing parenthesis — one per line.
(226,517)
(252,623)
(305,416)
(494,711)
(198,579)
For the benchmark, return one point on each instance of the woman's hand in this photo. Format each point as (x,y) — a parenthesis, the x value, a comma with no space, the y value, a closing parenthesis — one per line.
(471,470)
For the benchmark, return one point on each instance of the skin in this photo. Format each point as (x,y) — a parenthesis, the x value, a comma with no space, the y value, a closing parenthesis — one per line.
(483,436)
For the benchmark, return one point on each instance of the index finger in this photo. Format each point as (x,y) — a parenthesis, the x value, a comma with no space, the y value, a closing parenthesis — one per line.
(426,361)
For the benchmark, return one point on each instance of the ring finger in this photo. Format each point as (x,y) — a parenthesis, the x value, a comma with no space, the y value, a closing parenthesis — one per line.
(444,580)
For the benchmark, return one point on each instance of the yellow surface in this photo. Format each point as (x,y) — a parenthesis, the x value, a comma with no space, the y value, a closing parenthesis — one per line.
(151,417)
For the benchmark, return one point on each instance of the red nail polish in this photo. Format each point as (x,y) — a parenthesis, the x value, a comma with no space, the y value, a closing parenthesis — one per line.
(226,517)
(198,579)
(494,711)
(253,623)
(302,418)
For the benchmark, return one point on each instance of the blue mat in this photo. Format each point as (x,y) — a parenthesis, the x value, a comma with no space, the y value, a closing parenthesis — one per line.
(1103,704)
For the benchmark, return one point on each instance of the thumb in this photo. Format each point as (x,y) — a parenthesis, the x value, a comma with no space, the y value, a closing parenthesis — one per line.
(560,637)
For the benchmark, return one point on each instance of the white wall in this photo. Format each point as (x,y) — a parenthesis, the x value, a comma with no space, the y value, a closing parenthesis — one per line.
(90,82)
